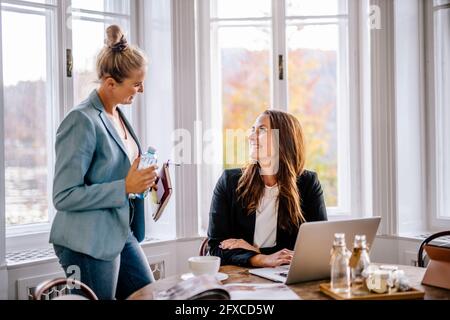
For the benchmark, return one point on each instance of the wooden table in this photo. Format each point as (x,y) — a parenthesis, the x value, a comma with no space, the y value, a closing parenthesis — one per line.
(306,290)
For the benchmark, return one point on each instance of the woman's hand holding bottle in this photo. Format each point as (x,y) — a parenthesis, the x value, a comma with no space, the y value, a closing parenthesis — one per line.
(138,181)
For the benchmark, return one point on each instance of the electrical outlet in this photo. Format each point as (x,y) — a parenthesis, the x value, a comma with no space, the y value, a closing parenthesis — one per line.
(159,270)
(410,258)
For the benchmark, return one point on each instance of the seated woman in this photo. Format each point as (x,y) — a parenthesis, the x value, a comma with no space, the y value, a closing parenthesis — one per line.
(256,212)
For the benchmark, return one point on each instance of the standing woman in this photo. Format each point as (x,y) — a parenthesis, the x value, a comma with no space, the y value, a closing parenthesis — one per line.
(98,227)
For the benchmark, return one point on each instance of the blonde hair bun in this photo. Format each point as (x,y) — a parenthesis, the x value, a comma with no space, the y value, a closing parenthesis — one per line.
(114,36)
(118,59)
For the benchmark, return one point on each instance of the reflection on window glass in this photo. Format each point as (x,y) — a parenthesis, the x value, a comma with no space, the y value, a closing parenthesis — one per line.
(25,112)
(245,86)
(312,84)
(224,9)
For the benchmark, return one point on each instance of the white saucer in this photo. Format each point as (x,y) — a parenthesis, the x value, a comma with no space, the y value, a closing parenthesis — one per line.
(220,276)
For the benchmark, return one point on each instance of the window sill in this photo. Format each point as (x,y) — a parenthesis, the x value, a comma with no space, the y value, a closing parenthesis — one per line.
(148,243)
(417,237)
(32,257)
(28,241)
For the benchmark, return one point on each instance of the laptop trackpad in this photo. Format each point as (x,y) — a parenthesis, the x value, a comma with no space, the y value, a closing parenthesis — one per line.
(275,274)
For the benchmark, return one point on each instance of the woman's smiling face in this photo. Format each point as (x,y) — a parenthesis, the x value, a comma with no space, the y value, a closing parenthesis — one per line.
(260,139)
(127,90)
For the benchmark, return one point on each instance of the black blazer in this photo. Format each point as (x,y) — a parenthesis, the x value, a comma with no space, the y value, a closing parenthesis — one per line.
(229,219)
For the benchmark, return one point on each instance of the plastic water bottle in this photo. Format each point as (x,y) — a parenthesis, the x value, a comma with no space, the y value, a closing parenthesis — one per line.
(340,269)
(147,159)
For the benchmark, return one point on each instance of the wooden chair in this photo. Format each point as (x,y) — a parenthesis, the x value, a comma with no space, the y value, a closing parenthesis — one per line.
(60,289)
(420,255)
(204,248)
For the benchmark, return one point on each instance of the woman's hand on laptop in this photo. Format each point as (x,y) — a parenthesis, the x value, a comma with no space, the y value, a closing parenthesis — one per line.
(237,244)
(272,260)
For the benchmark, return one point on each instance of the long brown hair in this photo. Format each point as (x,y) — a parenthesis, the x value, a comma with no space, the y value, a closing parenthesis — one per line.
(291,165)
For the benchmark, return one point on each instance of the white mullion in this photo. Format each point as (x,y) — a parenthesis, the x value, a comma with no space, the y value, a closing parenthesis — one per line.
(100,20)
(279,87)
(53,76)
(65,40)
(30,4)
(2,165)
(242,25)
(315,23)
(433,197)
(101,13)
(383,120)
(261,19)
(25,11)
(365,151)
(184,88)
(137,115)
(211,117)
(318,17)
(349,152)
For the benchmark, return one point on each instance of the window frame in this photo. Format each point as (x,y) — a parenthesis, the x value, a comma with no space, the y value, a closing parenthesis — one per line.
(435,136)
(357,184)
(36,235)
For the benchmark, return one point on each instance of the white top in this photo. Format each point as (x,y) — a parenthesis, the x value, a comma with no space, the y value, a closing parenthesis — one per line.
(266,219)
(127,139)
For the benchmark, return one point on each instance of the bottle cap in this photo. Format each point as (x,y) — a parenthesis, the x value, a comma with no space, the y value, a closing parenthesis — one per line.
(151,150)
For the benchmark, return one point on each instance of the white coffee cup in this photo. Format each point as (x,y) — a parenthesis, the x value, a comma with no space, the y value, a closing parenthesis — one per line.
(204,265)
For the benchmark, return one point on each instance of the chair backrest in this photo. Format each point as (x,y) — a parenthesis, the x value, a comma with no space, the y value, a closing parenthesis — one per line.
(204,249)
(420,255)
(59,287)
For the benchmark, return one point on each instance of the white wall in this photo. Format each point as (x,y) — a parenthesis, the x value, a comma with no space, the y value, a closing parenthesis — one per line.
(410,119)
(395,250)
(157,111)
(3,283)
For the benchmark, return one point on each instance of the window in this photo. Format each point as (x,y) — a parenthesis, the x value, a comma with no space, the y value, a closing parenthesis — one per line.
(29,90)
(37,92)
(291,55)
(441,47)
(317,46)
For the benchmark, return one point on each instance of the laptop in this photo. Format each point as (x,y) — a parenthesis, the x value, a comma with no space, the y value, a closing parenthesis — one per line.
(311,260)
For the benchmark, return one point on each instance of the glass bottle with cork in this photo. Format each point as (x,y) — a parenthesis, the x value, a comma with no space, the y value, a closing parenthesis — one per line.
(340,270)
(359,261)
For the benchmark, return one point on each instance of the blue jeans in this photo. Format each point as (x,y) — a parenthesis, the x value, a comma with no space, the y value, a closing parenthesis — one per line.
(116,279)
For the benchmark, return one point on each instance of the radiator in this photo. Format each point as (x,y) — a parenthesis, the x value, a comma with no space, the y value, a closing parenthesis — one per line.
(27,286)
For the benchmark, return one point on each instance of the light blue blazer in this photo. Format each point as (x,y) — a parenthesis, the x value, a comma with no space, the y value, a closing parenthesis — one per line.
(93,210)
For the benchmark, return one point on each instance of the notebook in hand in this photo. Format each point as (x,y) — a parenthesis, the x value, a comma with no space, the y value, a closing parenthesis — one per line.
(163,192)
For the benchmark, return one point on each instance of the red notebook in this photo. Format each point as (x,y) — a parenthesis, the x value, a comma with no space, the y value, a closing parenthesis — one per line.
(164,191)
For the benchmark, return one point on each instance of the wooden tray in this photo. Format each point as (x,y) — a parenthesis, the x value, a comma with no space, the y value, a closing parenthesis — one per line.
(406,295)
